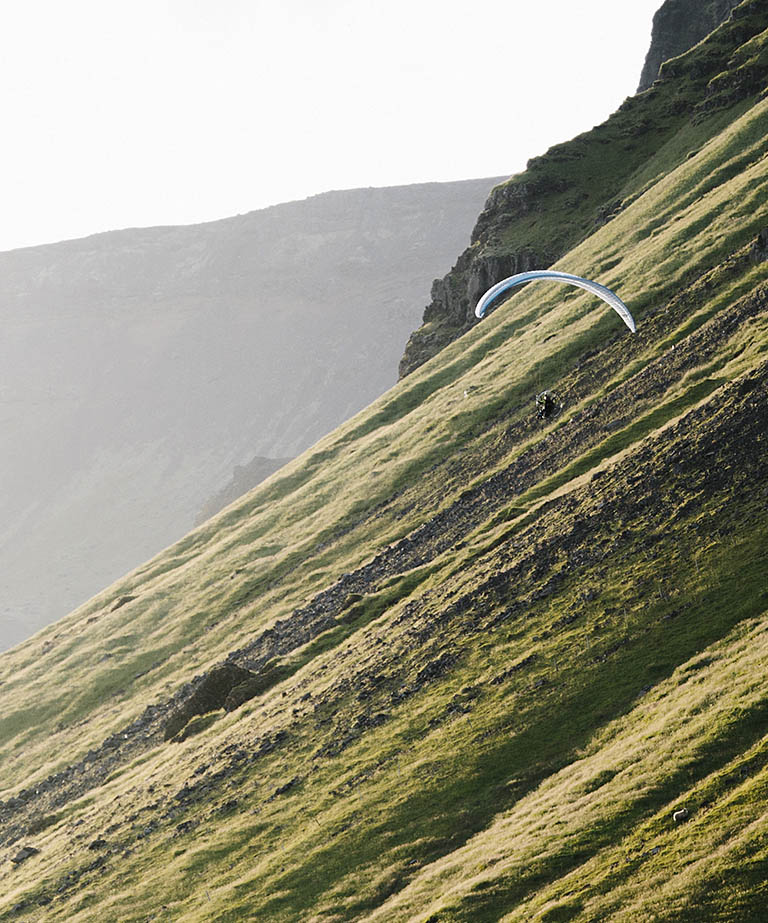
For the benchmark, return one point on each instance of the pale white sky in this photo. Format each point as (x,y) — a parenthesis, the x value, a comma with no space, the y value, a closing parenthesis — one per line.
(120,113)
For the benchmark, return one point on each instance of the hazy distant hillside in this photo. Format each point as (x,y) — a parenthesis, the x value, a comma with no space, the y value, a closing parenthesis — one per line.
(243,479)
(139,367)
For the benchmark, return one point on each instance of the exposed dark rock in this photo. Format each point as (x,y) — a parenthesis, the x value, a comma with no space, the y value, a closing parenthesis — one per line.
(608,211)
(515,668)
(254,685)
(282,789)
(196,725)
(518,199)
(435,668)
(40,823)
(23,854)
(454,298)
(209,695)
(677,26)
(759,250)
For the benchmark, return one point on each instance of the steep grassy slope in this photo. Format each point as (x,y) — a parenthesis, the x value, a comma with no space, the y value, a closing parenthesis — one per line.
(492,654)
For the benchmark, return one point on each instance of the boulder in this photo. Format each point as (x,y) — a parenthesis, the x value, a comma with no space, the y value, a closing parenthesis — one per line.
(210,694)
(23,854)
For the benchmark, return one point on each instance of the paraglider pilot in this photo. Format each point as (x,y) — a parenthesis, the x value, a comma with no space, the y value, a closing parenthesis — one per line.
(545,405)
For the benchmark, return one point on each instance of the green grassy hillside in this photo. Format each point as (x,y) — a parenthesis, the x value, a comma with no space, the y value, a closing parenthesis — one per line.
(455,663)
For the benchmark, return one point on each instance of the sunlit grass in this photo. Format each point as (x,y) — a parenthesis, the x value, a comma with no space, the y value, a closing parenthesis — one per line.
(460,746)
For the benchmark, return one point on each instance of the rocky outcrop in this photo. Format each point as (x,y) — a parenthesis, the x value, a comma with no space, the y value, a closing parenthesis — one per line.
(26,852)
(536,217)
(677,26)
(454,297)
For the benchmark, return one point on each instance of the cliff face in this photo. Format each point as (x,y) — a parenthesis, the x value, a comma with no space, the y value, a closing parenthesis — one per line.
(574,188)
(139,368)
(677,26)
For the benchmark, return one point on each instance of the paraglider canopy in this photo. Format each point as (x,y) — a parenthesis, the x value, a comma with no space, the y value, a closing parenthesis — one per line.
(595,288)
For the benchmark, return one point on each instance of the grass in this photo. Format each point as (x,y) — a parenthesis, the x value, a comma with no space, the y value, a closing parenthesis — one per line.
(547,732)
(494,720)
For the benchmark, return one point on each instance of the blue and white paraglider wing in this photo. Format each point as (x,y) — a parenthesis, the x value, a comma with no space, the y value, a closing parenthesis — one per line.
(595,288)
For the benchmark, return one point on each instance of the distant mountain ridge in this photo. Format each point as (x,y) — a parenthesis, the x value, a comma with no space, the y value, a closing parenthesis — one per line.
(138,368)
